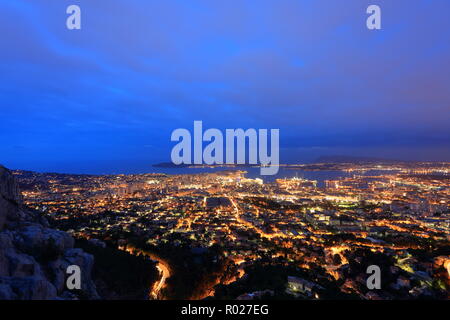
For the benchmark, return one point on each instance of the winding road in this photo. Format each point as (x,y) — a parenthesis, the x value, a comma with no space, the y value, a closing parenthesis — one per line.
(165,273)
(163,268)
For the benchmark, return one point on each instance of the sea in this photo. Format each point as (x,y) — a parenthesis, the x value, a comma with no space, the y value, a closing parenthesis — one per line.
(254,172)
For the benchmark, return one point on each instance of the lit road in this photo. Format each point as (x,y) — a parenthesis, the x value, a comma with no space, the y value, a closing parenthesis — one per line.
(163,268)
(165,273)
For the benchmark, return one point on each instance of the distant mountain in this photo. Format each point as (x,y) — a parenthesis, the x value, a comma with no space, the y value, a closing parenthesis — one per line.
(352,159)
(170,165)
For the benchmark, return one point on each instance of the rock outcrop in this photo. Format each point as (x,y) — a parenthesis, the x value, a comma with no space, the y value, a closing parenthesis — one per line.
(33,257)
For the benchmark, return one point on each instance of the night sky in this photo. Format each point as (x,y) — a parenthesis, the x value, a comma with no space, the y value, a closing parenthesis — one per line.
(107,97)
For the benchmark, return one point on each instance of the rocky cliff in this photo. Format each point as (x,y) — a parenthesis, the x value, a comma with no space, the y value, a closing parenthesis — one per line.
(33,257)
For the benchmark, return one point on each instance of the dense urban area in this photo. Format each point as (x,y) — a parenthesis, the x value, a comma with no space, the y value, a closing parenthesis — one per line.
(223,235)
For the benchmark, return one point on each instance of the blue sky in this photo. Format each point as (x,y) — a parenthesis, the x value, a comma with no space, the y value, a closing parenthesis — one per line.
(107,97)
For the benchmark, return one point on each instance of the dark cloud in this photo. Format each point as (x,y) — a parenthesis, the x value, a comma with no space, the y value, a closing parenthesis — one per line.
(139,69)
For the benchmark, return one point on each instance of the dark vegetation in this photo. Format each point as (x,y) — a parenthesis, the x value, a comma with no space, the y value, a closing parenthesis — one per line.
(263,276)
(118,274)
